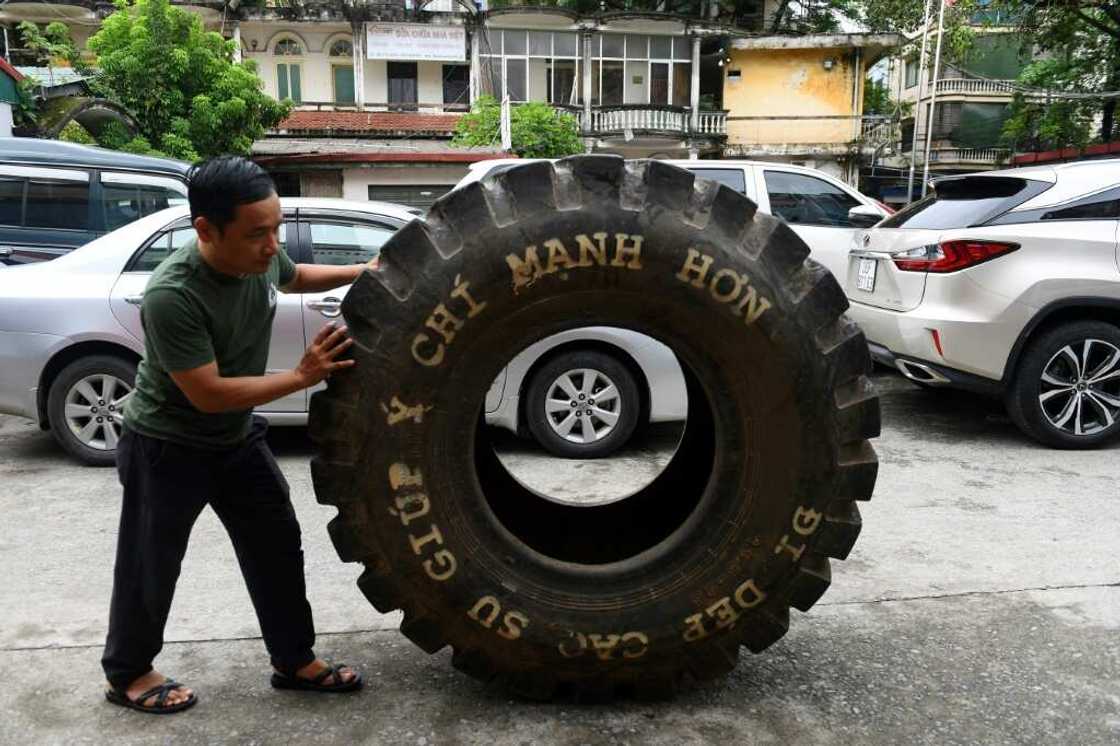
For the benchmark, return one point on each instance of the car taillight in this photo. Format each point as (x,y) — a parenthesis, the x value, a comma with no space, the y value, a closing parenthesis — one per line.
(949,256)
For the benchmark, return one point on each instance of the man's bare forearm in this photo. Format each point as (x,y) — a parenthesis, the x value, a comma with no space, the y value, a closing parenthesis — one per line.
(233,394)
(319,278)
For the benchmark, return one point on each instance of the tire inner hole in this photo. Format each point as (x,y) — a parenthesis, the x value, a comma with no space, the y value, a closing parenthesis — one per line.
(593,510)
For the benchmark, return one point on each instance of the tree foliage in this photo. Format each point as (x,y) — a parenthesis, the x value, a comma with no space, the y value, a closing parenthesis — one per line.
(1075,45)
(51,44)
(877,99)
(180,83)
(536,129)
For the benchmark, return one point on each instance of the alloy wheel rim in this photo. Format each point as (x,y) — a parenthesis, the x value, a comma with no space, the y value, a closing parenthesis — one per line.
(1080,388)
(94,410)
(583,406)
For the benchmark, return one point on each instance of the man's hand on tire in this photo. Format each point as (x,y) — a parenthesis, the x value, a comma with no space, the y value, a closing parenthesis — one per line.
(319,360)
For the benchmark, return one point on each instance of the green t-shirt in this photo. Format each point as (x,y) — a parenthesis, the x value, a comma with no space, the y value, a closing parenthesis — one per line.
(192,315)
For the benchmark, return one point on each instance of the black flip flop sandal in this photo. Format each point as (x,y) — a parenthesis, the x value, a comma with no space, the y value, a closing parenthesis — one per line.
(159,707)
(298,683)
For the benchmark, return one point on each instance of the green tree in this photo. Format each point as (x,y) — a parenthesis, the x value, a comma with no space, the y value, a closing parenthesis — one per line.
(1076,45)
(536,129)
(180,83)
(50,44)
(1077,48)
(877,99)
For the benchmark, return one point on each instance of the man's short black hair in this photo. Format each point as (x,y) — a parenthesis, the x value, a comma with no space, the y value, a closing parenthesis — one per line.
(215,187)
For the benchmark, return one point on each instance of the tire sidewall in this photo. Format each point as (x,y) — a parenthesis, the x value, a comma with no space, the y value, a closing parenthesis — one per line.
(770,484)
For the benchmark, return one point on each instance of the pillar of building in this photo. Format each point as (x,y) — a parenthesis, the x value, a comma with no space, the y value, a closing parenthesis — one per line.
(694,92)
(358,34)
(473,38)
(586,37)
(237,41)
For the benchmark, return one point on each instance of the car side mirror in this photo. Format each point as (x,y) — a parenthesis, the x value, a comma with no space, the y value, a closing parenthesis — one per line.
(864,216)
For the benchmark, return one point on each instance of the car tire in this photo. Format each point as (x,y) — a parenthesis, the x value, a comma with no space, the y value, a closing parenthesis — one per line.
(651,592)
(590,428)
(91,436)
(1047,408)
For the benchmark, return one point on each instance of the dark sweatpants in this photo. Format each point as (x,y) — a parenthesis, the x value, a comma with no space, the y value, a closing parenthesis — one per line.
(166,486)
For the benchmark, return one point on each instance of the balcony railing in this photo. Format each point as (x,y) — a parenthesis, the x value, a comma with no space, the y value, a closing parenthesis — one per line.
(645,119)
(822,130)
(876,131)
(969,156)
(374,107)
(605,120)
(974,87)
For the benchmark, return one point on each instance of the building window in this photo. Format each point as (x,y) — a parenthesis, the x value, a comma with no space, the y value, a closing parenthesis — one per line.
(682,84)
(288,48)
(456,86)
(343,83)
(626,68)
(911,73)
(342,48)
(402,85)
(531,66)
(288,73)
(413,195)
(287,82)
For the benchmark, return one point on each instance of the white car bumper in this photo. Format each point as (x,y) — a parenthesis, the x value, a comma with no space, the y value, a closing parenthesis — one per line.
(945,342)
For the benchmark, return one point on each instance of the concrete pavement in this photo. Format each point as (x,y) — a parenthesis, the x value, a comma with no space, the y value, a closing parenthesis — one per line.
(981,604)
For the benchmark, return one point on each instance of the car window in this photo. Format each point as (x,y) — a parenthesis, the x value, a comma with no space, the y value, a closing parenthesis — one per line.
(129,197)
(166,242)
(11,201)
(346,242)
(806,200)
(1101,206)
(731,177)
(963,202)
(1091,211)
(57,204)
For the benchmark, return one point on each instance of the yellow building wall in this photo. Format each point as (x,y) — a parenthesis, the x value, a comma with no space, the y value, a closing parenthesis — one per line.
(792,83)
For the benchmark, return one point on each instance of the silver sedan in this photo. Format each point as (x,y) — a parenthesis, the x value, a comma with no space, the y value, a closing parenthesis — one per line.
(70,338)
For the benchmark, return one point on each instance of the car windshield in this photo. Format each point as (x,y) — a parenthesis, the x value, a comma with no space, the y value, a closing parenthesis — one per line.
(960,203)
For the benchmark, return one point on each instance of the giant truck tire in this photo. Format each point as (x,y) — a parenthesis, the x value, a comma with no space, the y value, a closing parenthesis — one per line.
(643,594)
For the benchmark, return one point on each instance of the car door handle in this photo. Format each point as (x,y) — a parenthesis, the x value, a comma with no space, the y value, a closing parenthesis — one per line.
(329,307)
(134,300)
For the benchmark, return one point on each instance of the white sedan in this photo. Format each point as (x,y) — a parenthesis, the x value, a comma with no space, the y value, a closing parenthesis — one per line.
(70,338)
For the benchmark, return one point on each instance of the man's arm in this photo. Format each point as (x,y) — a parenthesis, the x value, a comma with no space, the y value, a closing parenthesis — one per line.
(319,278)
(208,391)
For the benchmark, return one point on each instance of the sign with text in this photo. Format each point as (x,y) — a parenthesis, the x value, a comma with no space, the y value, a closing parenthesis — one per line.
(415,41)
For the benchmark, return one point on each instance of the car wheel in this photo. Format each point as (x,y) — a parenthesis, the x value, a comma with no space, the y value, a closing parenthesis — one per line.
(582,405)
(85,407)
(1067,388)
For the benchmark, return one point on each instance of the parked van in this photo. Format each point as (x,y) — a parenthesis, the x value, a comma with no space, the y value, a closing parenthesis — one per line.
(56,196)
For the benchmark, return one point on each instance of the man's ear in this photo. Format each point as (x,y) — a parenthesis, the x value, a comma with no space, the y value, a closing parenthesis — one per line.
(206,230)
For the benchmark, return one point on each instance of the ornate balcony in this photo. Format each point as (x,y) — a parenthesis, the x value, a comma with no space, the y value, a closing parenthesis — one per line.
(644,119)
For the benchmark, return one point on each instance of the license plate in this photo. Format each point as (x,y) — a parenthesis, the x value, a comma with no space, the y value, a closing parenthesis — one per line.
(865,279)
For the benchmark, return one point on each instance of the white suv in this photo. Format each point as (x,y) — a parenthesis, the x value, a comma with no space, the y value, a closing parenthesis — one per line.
(1005,282)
